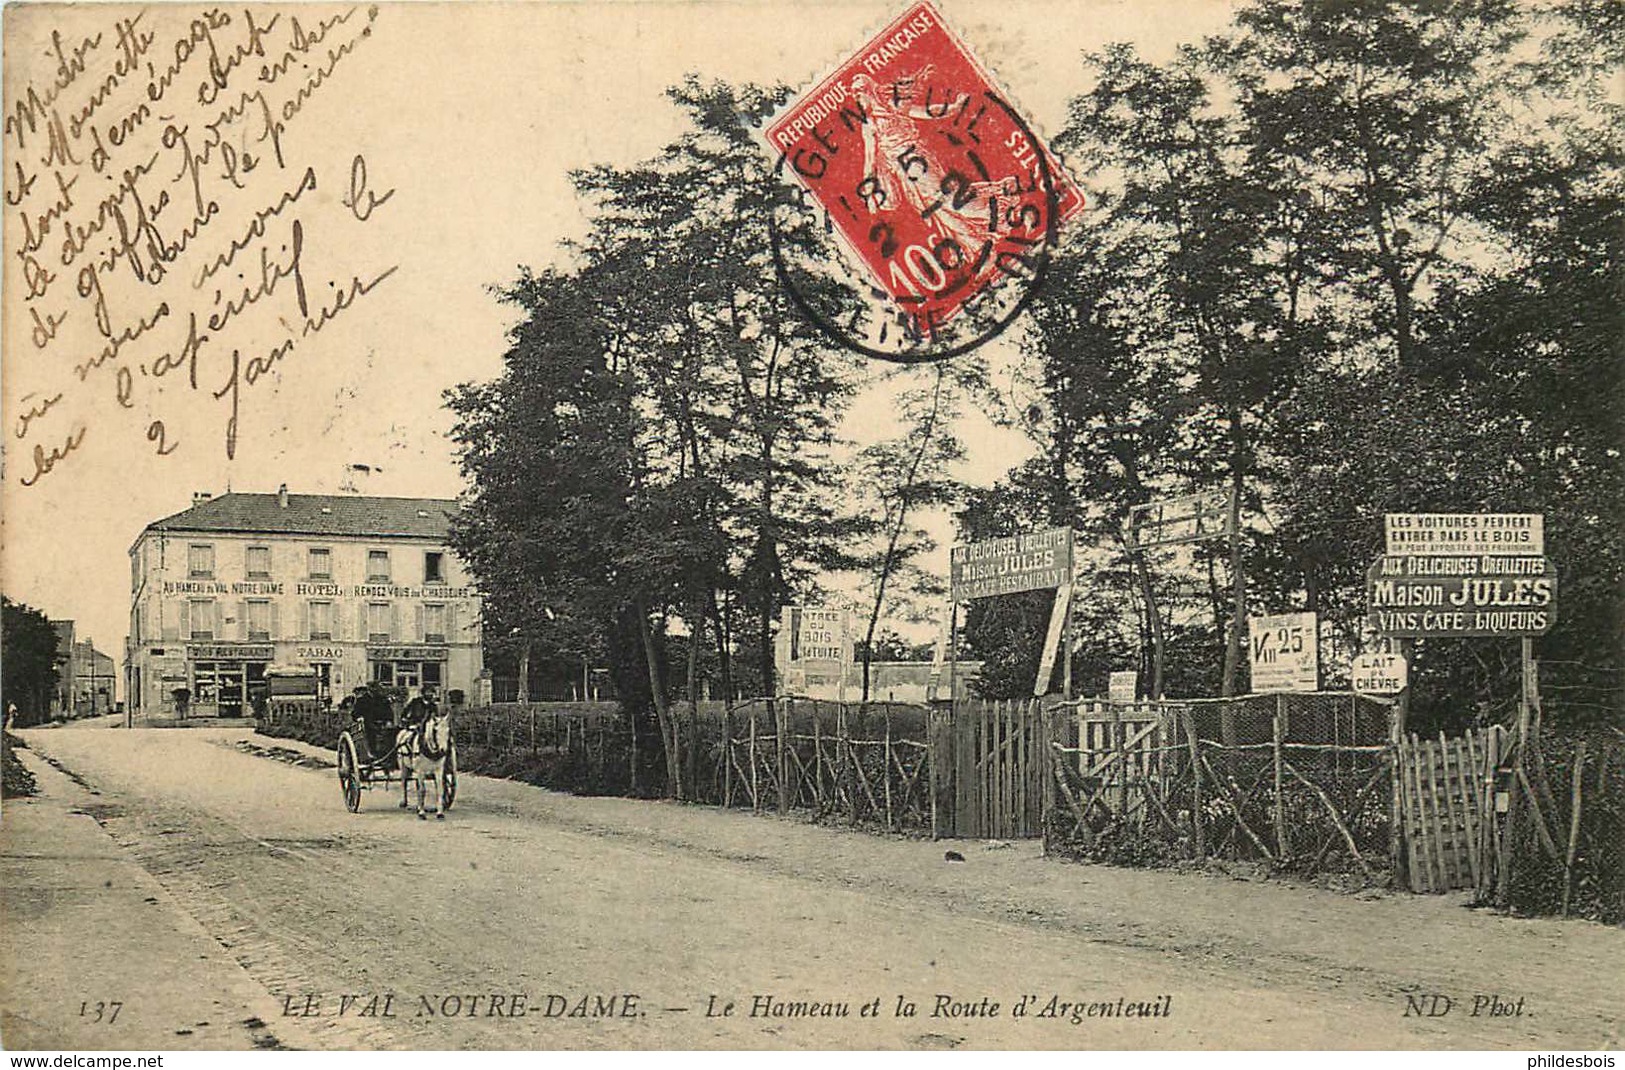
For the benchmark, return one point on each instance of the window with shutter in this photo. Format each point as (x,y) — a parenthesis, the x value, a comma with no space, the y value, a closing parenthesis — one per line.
(200,560)
(380,622)
(200,615)
(377,566)
(258,621)
(321,620)
(258,564)
(434,623)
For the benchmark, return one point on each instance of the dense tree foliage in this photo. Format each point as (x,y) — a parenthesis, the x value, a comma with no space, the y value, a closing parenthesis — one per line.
(1349,259)
(28,668)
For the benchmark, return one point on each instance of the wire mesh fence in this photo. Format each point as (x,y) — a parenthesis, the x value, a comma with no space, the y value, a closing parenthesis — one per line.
(1565,826)
(1301,782)
(866,764)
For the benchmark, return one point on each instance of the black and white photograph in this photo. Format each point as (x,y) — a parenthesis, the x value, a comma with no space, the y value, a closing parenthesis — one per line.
(744,525)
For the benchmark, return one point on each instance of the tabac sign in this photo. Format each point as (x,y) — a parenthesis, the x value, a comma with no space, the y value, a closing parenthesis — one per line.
(1483,595)
(1007,566)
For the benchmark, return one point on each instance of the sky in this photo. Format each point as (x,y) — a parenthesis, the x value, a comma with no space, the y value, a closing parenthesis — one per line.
(468,118)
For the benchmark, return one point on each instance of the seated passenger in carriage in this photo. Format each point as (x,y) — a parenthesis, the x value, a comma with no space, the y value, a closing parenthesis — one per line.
(377,716)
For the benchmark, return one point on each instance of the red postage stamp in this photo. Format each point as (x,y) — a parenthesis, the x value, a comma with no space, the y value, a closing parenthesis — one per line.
(926,169)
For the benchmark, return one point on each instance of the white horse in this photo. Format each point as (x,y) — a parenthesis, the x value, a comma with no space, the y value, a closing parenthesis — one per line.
(420,748)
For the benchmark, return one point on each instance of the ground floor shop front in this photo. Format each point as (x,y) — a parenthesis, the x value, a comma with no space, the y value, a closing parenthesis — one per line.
(232,679)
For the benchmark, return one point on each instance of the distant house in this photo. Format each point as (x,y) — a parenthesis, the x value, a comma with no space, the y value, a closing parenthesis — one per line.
(85,683)
(355,588)
(894,681)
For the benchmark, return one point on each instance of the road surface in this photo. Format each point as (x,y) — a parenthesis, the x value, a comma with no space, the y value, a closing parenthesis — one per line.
(530,919)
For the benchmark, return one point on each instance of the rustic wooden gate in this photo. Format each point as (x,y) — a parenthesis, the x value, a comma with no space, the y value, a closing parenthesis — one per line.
(1445,801)
(993,784)
(1120,750)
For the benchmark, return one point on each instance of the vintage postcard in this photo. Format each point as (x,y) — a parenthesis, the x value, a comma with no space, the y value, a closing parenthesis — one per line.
(749,525)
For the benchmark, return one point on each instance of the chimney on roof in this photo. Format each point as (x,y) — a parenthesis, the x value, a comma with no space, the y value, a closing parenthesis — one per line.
(282,496)
(200,496)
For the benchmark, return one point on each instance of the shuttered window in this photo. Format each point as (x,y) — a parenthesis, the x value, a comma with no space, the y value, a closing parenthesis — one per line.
(259,620)
(321,620)
(434,624)
(380,621)
(201,618)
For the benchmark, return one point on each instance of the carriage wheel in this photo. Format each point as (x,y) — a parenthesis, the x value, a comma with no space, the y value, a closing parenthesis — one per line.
(349,774)
(448,784)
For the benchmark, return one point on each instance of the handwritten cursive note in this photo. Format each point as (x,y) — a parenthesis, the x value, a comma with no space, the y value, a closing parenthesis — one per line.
(173,238)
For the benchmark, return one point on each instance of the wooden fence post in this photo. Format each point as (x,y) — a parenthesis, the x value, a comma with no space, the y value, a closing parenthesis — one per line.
(1187,724)
(886,772)
(783,715)
(1279,730)
(1118,733)
(755,784)
(934,754)
(727,755)
(1574,825)
(1046,766)
(1396,795)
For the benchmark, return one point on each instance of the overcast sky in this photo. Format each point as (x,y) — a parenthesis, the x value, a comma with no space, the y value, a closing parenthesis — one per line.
(473,115)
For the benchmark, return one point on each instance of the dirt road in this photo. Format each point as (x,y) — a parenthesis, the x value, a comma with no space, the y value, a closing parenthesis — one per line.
(535,920)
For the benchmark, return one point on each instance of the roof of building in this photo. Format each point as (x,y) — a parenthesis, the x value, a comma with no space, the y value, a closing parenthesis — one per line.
(314,514)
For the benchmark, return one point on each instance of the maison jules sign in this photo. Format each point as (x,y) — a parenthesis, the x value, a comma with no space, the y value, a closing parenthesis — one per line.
(1484,595)
(1007,566)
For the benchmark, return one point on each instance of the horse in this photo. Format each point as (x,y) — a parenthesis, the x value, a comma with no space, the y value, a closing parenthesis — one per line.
(420,750)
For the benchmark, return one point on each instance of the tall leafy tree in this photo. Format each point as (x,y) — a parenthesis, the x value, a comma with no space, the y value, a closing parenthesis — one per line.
(28,667)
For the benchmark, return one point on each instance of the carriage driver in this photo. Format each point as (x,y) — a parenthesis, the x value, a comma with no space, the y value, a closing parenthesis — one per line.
(422,707)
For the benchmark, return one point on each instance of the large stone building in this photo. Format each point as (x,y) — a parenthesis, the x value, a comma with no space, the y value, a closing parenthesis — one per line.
(350,588)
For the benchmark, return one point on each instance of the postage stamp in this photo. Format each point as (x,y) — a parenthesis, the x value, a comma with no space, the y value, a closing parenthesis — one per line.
(933,180)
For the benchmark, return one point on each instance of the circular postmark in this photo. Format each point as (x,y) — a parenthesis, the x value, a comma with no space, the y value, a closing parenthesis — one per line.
(947,202)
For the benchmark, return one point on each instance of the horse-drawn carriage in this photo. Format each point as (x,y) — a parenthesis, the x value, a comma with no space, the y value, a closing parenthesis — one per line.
(380,747)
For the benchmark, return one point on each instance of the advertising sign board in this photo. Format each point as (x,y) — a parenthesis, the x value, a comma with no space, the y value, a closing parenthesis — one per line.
(1006,566)
(1482,595)
(1380,674)
(814,648)
(1284,652)
(1121,686)
(1464,534)
(1171,521)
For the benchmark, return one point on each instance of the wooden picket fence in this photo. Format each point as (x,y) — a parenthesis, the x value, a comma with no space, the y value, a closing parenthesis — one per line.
(992,781)
(1445,800)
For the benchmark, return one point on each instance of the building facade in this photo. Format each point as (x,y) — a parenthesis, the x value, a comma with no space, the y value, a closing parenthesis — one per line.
(85,681)
(349,588)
